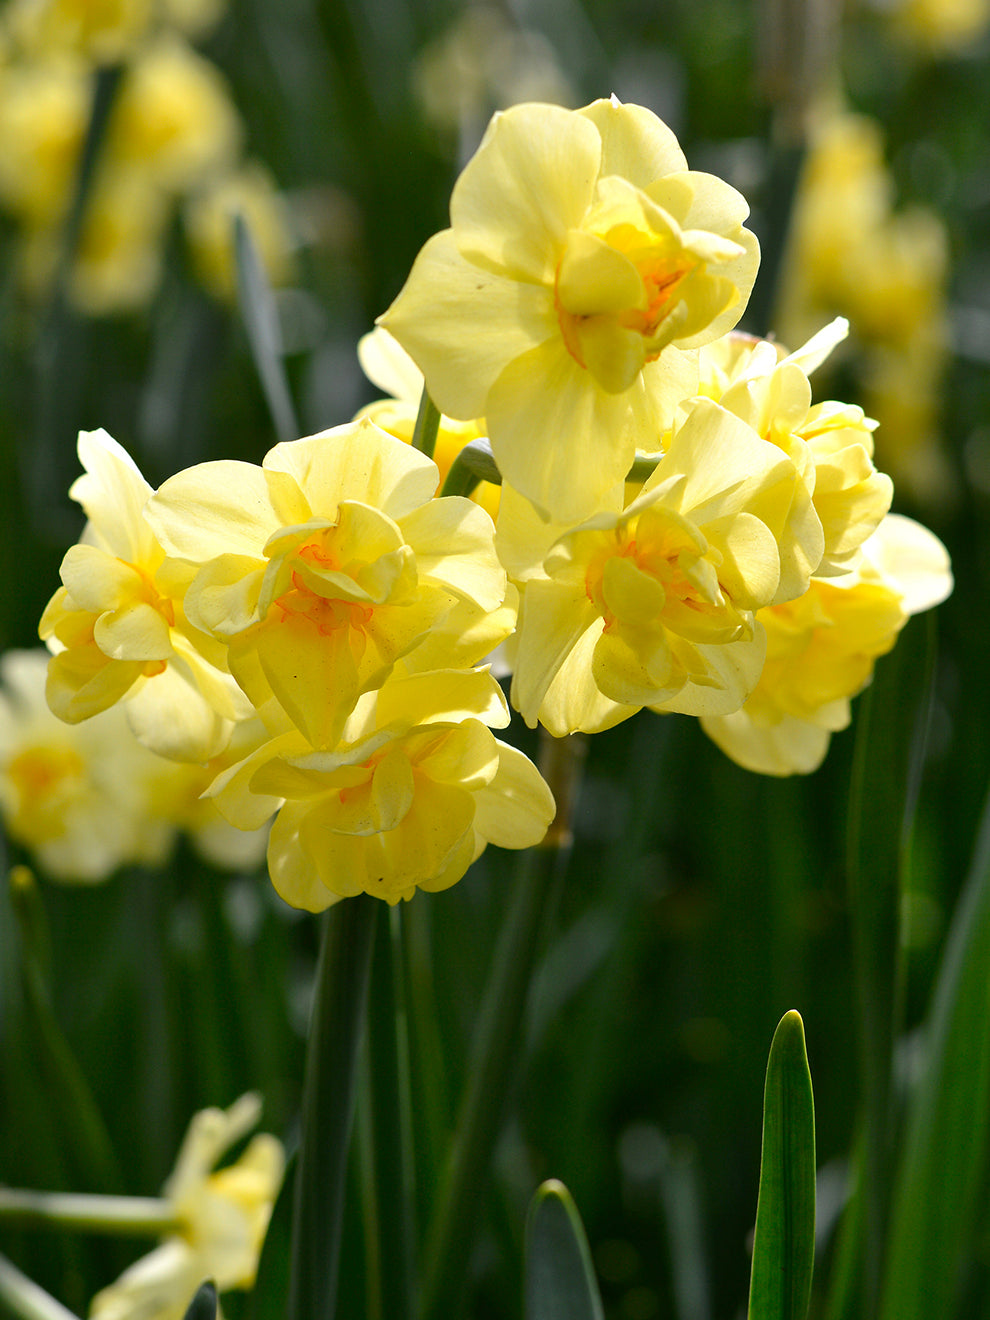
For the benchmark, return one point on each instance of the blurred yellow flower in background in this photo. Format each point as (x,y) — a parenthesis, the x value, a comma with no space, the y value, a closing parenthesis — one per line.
(87,798)
(821,649)
(223,1215)
(583,262)
(208,219)
(851,252)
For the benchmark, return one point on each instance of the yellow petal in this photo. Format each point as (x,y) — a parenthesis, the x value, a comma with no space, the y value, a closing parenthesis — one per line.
(213,509)
(462,324)
(515,809)
(528,183)
(636,145)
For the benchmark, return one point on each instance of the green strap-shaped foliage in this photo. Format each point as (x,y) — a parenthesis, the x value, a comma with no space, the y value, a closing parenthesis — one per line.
(784,1243)
(939,1199)
(264,335)
(204,1303)
(560,1280)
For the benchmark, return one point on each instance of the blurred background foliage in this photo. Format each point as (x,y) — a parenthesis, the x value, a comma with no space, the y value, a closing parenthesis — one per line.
(701,901)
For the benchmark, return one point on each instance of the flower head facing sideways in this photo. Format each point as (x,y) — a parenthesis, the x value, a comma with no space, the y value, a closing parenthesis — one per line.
(415,791)
(821,649)
(222,1214)
(118,627)
(583,264)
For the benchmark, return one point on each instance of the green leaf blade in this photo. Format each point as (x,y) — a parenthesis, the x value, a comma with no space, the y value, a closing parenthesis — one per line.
(784,1242)
(560,1279)
(937,1206)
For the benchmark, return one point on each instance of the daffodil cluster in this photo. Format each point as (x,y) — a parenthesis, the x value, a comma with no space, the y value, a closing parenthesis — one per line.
(173,138)
(680,527)
(687,529)
(309,632)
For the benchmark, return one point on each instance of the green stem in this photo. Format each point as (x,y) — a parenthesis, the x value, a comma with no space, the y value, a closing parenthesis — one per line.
(427,425)
(497,1042)
(25,1299)
(144,1216)
(74,1108)
(390,1117)
(473,465)
(332,1051)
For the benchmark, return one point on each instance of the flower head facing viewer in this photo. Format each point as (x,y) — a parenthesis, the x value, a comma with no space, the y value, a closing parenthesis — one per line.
(583,264)
(322,568)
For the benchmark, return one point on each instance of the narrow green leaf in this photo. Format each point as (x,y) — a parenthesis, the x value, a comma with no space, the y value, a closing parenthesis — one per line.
(204,1304)
(266,1300)
(264,336)
(495,1050)
(22,1297)
(560,1280)
(784,1242)
(339,1005)
(881,802)
(940,1179)
(76,1118)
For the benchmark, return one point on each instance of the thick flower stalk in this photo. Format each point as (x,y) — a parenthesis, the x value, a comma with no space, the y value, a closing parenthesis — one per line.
(821,649)
(583,265)
(414,792)
(222,1216)
(322,568)
(118,627)
(653,604)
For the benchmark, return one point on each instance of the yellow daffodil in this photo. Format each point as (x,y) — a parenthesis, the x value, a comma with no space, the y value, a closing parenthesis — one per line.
(327,564)
(209,224)
(830,443)
(174,117)
(654,604)
(223,1217)
(102,30)
(414,792)
(821,649)
(118,627)
(583,263)
(388,365)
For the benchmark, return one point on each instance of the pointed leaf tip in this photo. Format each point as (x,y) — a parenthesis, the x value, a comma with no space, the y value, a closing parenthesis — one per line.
(204,1303)
(560,1280)
(784,1241)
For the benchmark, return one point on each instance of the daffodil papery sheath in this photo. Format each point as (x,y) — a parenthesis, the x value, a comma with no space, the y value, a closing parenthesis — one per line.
(325,565)
(117,624)
(583,264)
(223,1214)
(821,649)
(831,443)
(414,792)
(654,604)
